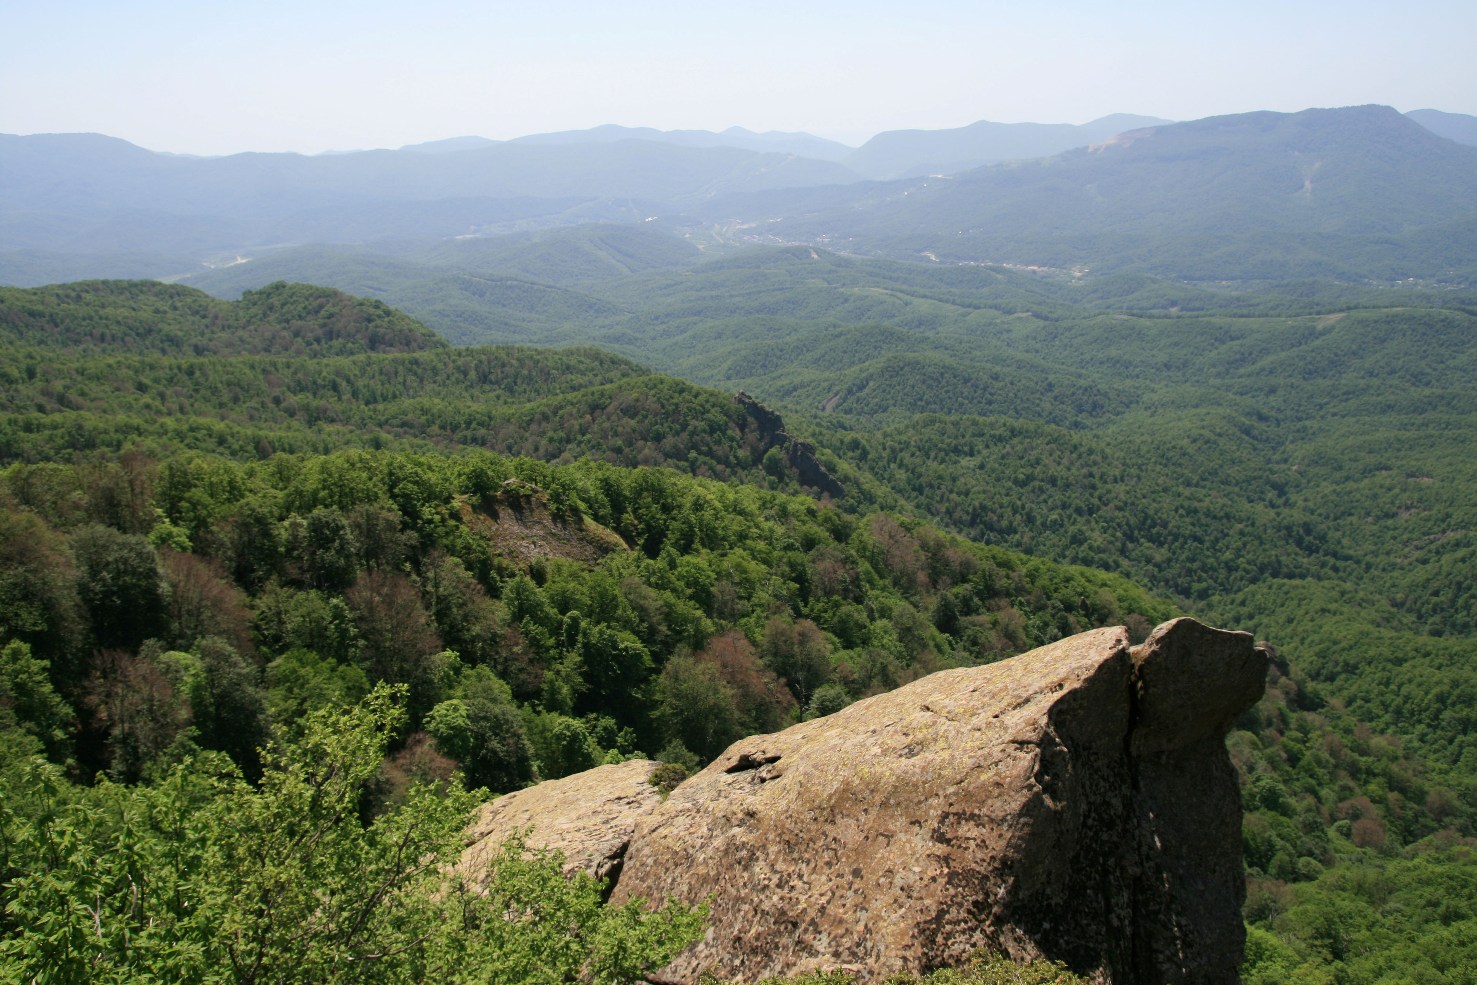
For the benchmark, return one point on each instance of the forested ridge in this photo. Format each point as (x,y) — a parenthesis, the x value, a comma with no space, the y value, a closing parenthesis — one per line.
(1296,462)
(193,626)
(1228,360)
(148,317)
(1303,470)
(1299,466)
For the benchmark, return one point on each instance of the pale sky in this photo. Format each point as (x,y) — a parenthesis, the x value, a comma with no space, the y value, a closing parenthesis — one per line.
(310,75)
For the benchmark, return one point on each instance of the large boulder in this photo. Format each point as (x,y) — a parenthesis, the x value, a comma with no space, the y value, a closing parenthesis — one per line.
(589,817)
(1075,802)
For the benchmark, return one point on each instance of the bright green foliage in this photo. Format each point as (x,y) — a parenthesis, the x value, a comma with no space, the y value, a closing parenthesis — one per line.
(300,681)
(29,704)
(726,609)
(204,878)
(1379,920)
(480,729)
(537,926)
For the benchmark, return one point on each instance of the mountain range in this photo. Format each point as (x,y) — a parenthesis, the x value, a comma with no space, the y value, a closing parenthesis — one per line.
(1230,359)
(1353,193)
(890,154)
(1358,193)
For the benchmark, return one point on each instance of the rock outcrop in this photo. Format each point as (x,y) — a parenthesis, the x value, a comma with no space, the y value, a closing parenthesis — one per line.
(522,525)
(589,817)
(799,455)
(1075,802)
(1191,682)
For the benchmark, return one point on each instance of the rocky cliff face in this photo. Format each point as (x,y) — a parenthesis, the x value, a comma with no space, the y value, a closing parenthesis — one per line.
(1075,802)
(799,455)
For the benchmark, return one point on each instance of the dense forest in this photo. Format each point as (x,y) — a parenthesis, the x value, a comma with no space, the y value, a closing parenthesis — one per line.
(223,522)
(199,632)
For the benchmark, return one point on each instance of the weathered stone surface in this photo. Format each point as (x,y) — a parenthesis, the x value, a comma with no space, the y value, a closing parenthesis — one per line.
(1192,682)
(589,817)
(1075,802)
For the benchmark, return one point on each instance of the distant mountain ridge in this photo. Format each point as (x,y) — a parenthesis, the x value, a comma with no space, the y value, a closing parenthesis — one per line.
(1351,193)
(86,195)
(1452,126)
(770,142)
(122,176)
(913,153)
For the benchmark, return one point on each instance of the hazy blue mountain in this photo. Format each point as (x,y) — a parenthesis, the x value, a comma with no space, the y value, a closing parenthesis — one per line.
(769,142)
(1453,126)
(911,153)
(1361,192)
(33,268)
(86,194)
(63,173)
(804,144)
(450,145)
(43,161)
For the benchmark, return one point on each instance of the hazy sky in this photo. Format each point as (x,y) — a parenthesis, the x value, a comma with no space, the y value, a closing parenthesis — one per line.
(212,77)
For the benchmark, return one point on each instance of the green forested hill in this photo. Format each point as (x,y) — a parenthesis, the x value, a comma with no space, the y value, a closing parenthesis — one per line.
(211,556)
(1203,452)
(145,317)
(1298,464)
(100,366)
(555,405)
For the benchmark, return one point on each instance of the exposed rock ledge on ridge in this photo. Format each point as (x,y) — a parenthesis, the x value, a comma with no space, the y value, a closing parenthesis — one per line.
(588,816)
(1075,802)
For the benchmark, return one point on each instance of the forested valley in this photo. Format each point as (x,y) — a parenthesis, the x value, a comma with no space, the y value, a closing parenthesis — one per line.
(293,578)
(256,621)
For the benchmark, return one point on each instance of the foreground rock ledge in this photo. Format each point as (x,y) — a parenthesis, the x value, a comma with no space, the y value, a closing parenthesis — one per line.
(589,817)
(1075,802)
